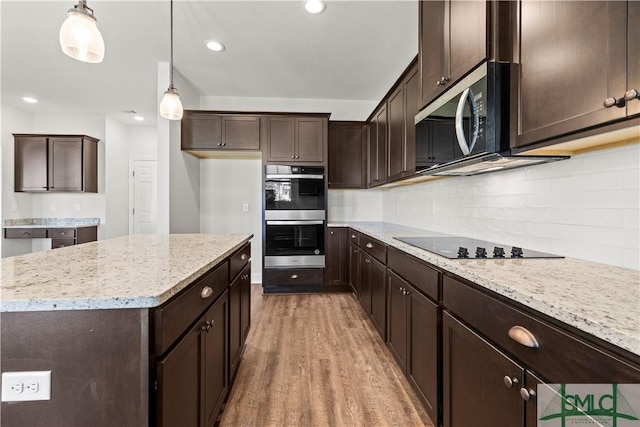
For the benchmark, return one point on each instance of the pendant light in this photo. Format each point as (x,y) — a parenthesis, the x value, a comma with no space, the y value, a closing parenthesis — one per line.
(170,106)
(79,35)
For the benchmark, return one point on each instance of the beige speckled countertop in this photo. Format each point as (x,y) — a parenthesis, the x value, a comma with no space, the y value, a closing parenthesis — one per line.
(126,272)
(599,299)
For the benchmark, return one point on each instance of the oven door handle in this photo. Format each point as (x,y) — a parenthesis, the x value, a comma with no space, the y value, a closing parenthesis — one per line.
(295,222)
(295,176)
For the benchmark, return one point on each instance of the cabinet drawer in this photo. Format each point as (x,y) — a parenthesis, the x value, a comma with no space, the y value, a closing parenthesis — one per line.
(374,247)
(174,317)
(415,272)
(238,260)
(560,356)
(25,233)
(310,276)
(61,243)
(61,233)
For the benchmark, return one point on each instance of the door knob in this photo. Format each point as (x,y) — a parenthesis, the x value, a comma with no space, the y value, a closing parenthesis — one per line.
(527,395)
(510,381)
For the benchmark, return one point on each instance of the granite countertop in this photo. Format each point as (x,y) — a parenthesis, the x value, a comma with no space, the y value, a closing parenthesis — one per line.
(50,222)
(138,271)
(599,299)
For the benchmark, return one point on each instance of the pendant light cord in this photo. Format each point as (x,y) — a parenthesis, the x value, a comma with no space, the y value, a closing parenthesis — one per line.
(171,71)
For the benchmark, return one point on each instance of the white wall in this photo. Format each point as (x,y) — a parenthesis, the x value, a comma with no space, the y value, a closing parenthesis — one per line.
(116,179)
(340,109)
(143,141)
(225,185)
(586,207)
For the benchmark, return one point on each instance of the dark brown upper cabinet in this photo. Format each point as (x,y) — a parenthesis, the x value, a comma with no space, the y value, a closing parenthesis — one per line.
(347,154)
(64,163)
(453,39)
(578,60)
(206,130)
(403,104)
(296,139)
(378,132)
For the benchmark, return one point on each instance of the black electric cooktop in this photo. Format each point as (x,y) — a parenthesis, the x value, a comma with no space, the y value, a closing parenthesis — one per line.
(463,247)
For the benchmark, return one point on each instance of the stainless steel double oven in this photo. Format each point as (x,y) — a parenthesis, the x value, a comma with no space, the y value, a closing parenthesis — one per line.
(295,214)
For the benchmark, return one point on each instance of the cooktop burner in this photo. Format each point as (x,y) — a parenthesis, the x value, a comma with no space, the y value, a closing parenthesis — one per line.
(463,247)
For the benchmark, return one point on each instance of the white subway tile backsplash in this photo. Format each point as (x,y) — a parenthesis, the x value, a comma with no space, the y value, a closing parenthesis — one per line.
(585,207)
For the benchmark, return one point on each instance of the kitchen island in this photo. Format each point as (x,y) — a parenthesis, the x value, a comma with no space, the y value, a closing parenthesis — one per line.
(105,316)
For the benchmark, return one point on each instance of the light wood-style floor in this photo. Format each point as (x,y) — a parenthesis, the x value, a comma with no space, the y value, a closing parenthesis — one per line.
(316,360)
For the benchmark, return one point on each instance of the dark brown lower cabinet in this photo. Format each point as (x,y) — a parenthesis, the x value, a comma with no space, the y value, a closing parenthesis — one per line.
(354,269)
(192,377)
(412,337)
(239,317)
(474,390)
(336,272)
(372,294)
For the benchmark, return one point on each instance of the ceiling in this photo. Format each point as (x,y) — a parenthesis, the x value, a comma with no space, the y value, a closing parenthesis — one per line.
(355,50)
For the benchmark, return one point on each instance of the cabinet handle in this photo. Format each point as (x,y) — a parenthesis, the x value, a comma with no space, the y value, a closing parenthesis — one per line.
(610,102)
(631,94)
(244,277)
(26,233)
(353,236)
(206,326)
(243,257)
(510,381)
(523,336)
(293,157)
(62,233)
(369,245)
(294,276)
(206,292)
(368,261)
(297,157)
(224,143)
(527,395)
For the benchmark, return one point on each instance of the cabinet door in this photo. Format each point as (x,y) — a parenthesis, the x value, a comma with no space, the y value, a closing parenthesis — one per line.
(215,359)
(336,269)
(378,148)
(424,348)
(395,154)
(347,168)
(531,405)
(467,36)
(245,303)
(411,107)
(474,388)
(397,319)
(235,312)
(633,52)
(201,130)
(364,295)
(378,286)
(31,164)
(432,49)
(241,132)
(178,391)
(309,139)
(280,139)
(572,58)
(354,269)
(89,166)
(65,164)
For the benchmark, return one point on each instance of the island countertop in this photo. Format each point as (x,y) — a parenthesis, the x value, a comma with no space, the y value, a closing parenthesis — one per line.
(139,271)
(598,299)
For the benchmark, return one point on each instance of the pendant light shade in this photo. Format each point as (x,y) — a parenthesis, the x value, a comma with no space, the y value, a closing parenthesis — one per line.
(79,35)
(170,106)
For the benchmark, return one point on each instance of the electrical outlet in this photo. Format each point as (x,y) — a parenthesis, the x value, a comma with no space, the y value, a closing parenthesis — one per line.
(245,207)
(23,386)
(77,206)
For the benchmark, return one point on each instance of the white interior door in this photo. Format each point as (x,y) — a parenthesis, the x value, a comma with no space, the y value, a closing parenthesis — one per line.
(144,197)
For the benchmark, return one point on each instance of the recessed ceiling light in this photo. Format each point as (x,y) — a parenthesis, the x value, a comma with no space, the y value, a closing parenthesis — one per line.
(215,46)
(29,99)
(315,6)
(138,118)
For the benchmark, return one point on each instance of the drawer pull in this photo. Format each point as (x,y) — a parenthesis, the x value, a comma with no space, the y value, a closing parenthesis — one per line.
(243,257)
(294,276)
(26,233)
(521,335)
(527,395)
(353,236)
(510,381)
(206,292)
(369,245)
(62,233)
